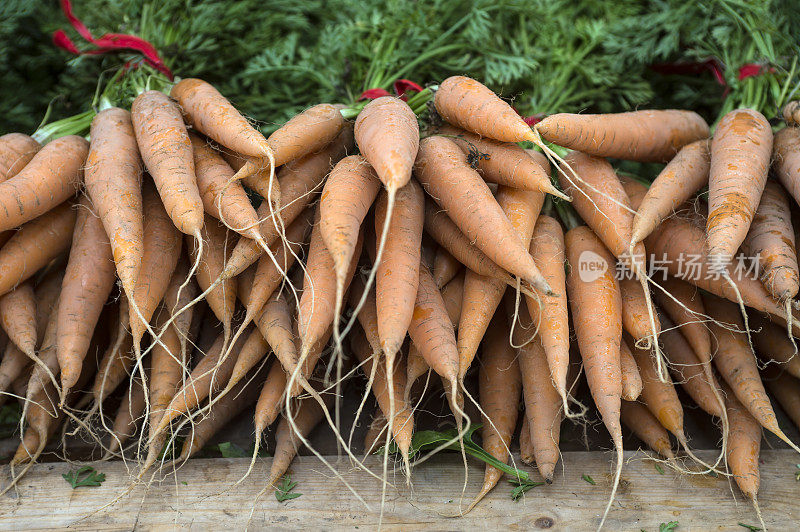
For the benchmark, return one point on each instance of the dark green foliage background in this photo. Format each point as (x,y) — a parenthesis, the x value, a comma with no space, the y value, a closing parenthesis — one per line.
(275,57)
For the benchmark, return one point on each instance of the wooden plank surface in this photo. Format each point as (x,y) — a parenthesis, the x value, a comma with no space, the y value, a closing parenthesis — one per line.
(201,496)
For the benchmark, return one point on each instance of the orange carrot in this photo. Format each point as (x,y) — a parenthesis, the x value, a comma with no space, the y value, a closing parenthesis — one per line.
(468,104)
(685,309)
(525,443)
(432,333)
(212,114)
(18,317)
(307,132)
(445,267)
(740,156)
(736,363)
(258,181)
(398,272)
(635,310)
(88,280)
(505,163)
(499,383)
(348,194)
(647,136)
(34,245)
(16,150)
(275,324)
(770,241)
(115,365)
(631,380)
(646,427)
(441,169)
(786,160)
(224,200)
(542,404)
(596,306)
(162,249)
(309,414)
(685,174)
(113,176)
(50,178)
(743,448)
(222,299)
(167,153)
(552,318)
(177,298)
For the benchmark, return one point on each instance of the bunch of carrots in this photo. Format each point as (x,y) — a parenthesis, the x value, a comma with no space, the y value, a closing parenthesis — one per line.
(342,245)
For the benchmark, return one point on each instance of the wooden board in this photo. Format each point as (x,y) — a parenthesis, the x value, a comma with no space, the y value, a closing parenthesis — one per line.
(201,496)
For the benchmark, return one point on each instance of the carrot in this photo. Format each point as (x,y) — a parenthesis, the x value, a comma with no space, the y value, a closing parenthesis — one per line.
(208,377)
(309,414)
(791,113)
(689,372)
(224,200)
(736,363)
(786,389)
(115,365)
(542,404)
(596,307)
(499,383)
(786,160)
(505,163)
(306,132)
(348,194)
(631,380)
(209,112)
(445,267)
(771,241)
(298,181)
(432,333)
(449,236)
(43,421)
(255,181)
(684,307)
(744,448)
(167,153)
(646,427)
(275,325)
(166,369)
(444,174)
(46,369)
(113,176)
(635,310)
(647,136)
(14,365)
(482,295)
(34,245)
(740,156)
(268,277)
(16,150)
(470,105)
(387,133)
(550,314)
(162,249)
(129,413)
(398,271)
(243,395)
(773,346)
(316,310)
(50,178)
(368,315)
(222,298)
(90,275)
(375,430)
(383,385)
(684,176)
(18,317)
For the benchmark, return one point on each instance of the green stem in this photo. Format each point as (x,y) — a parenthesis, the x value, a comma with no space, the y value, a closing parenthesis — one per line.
(73,125)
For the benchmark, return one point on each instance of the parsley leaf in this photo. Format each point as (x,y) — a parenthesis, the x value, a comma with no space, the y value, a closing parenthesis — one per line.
(284,491)
(86,476)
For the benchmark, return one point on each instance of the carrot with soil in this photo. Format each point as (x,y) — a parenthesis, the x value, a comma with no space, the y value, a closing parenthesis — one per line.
(16,150)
